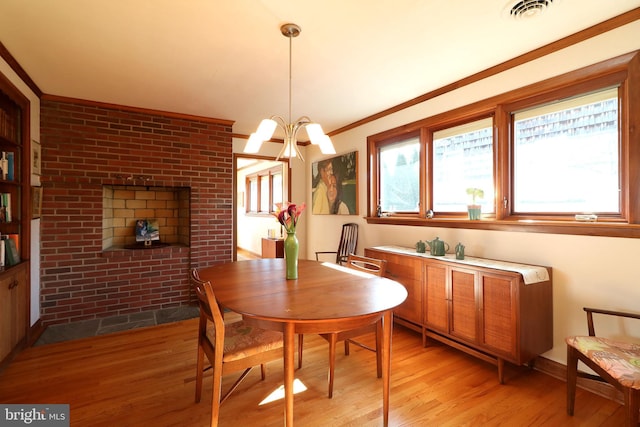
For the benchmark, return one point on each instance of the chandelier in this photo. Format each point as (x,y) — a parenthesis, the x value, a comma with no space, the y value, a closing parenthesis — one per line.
(268,126)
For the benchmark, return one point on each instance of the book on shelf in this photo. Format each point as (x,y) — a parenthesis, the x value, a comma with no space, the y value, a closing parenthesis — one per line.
(7,165)
(11,253)
(11,159)
(5,207)
(7,126)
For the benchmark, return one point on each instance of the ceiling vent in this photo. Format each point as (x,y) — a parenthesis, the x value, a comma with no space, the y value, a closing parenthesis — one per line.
(521,9)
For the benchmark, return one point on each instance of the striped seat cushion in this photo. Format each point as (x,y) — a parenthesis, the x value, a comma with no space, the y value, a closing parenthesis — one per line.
(620,359)
(242,340)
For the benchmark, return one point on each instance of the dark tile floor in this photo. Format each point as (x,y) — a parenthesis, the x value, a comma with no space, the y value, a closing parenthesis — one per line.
(89,328)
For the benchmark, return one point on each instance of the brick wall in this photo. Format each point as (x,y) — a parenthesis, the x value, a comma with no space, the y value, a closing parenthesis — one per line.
(86,146)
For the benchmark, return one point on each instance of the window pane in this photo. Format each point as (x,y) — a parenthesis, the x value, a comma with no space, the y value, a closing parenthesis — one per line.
(400,176)
(264,194)
(253,192)
(277,189)
(463,158)
(566,156)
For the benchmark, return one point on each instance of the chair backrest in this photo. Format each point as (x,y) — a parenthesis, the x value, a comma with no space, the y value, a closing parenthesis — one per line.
(209,308)
(348,242)
(368,265)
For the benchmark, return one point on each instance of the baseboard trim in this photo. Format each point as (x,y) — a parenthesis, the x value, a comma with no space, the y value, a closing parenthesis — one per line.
(559,371)
(35,331)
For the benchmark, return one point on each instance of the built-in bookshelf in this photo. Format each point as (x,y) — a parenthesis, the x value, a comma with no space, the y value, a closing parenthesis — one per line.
(11,151)
(15,219)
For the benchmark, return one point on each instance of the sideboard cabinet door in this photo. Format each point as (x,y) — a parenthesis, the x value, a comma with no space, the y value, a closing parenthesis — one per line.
(499,314)
(464,305)
(436,312)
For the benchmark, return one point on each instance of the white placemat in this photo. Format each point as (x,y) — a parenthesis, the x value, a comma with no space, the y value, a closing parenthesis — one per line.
(530,273)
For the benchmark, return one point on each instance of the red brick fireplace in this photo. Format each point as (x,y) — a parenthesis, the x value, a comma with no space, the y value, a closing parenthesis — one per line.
(87,147)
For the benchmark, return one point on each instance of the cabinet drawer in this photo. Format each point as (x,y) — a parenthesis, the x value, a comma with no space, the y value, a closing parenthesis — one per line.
(407,271)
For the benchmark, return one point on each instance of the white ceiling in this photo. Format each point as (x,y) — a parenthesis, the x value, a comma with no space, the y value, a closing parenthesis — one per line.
(227,58)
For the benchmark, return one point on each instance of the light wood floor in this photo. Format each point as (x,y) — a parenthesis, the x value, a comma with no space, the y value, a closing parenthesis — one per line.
(145,377)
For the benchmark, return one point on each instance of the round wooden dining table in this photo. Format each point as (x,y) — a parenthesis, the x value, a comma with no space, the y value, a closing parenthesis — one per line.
(324,298)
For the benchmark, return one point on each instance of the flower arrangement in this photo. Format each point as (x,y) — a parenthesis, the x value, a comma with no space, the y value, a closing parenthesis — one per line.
(288,215)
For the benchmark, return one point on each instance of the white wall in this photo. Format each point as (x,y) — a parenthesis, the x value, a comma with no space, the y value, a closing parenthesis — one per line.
(6,70)
(587,271)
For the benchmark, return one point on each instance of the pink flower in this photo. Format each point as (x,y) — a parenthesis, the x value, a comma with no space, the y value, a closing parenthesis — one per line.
(288,215)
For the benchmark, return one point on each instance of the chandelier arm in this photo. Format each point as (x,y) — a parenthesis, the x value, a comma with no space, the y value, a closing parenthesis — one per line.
(293,129)
(303,121)
(280,121)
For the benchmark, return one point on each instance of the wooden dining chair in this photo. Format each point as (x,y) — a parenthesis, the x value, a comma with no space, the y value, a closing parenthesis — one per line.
(615,362)
(230,347)
(347,245)
(373,266)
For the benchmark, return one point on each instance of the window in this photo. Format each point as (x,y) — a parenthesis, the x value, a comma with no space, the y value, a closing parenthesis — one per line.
(566,156)
(399,176)
(463,158)
(544,155)
(264,190)
(253,193)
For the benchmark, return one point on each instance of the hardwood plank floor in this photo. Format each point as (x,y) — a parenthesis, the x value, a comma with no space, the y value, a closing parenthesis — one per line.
(146,377)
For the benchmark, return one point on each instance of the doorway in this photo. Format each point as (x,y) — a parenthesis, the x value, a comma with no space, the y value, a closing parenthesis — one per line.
(259,183)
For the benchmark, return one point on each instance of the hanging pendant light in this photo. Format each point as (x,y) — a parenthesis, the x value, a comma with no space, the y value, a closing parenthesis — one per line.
(268,126)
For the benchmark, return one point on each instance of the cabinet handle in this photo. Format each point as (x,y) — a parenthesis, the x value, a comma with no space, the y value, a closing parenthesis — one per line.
(13,284)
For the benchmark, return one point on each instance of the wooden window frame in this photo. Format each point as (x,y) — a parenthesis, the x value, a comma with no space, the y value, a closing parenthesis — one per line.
(259,176)
(622,71)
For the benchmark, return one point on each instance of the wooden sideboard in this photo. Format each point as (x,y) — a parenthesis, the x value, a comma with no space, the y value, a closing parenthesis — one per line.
(272,248)
(494,310)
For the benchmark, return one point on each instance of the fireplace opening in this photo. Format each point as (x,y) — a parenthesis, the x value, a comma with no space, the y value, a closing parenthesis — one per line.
(164,212)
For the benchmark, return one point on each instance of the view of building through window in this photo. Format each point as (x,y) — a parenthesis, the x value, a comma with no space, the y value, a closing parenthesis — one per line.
(400,176)
(566,156)
(462,159)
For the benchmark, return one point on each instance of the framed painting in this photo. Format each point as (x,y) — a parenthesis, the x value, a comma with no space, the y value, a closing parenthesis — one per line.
(335,185)
(36,202)
(36,158)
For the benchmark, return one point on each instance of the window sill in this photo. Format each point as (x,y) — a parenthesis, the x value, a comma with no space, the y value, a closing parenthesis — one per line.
(259,214)
(607,229)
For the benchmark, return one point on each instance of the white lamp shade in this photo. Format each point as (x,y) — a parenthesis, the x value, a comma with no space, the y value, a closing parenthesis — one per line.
(266,129)
(315,132)
(289,149)
(326,146)
(253,144)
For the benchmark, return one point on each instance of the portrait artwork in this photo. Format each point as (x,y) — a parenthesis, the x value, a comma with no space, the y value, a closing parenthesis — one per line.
(335,185)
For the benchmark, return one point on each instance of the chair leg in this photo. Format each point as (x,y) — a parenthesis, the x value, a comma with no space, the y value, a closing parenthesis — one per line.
(346,347)
(215,397)
(199,373)
(300,342)
(263,371)
(379,348)
(332,361)
(572,378)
